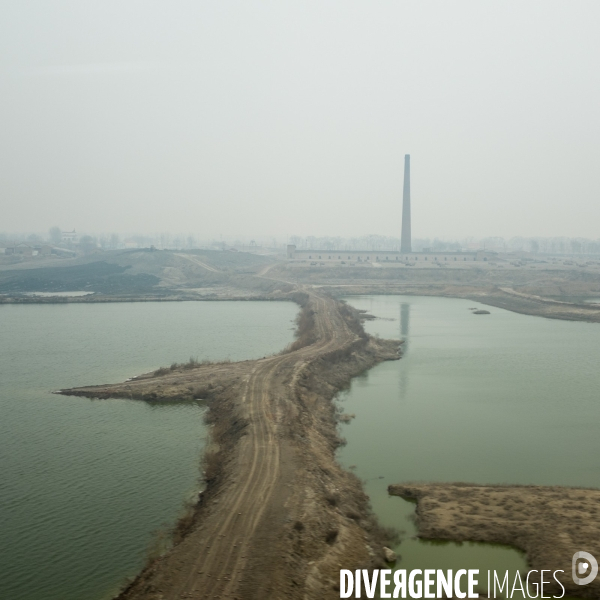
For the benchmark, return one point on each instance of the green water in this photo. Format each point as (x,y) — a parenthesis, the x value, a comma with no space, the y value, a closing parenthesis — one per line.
(86,482)
(499,398)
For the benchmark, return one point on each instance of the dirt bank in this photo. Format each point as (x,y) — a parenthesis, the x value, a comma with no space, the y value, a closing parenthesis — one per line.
(141,275)
(524,291)
(279,517)
(492,296)
(549,524)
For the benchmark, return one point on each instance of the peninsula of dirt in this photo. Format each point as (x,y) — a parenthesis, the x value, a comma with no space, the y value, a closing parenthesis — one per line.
(279,517)
(549,524)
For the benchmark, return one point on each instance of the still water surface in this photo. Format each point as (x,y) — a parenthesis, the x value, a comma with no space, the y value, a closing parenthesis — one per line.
(499,398)
(84,483)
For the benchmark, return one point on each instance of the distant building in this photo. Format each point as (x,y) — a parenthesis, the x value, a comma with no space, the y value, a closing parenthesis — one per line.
(385,256)
(43,250)
(69,237)
(131,244)
(24,250)
(406,239)
(405,256)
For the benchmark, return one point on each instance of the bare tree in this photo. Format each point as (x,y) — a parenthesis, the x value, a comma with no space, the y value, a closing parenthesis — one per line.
(55,235)
(87,244)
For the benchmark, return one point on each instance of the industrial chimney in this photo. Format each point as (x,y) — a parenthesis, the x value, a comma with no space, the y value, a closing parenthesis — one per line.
(405,241)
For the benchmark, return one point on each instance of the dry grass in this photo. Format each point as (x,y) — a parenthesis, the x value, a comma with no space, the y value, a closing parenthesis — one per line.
(192,363)
(330,519)
(305,323)
(549,524)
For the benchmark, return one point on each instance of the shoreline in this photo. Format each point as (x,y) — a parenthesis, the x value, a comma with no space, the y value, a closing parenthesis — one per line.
(279,514)
(314,384)
(112,299)
(548,523)
(504,298)
(518,303)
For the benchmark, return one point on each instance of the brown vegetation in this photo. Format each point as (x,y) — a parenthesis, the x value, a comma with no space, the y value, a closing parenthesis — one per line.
(549,524)
(278,515)
(306,333)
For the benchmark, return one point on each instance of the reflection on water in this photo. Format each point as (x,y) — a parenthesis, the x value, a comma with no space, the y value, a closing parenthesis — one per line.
(404,321)
(405,337)
(499,398)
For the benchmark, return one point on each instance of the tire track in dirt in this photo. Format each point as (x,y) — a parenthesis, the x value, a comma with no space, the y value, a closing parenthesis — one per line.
(218,557)
(198,262)
(221,569)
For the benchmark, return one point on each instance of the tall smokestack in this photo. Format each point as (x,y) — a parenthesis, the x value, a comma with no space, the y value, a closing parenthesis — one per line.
(405,241)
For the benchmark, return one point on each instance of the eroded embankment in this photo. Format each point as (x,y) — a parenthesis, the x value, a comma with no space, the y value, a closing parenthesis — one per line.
(549,524)
(279,517)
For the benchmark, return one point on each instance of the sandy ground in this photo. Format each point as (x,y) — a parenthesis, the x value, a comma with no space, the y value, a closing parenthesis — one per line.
(526,287)
(279,517)
(507,298)
(532,290)
(549,523)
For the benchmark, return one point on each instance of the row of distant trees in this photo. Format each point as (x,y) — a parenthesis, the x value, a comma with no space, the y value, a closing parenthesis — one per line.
(553,245)
(107,241)
(114,241)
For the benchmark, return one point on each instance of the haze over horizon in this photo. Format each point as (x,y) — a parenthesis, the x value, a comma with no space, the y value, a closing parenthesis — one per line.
(266,118)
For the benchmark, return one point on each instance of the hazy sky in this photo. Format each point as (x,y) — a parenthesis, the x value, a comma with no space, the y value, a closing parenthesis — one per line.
(293,117)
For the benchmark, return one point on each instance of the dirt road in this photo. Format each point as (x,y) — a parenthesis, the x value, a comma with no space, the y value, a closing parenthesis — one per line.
(279,515)
(197,261)
(265,403)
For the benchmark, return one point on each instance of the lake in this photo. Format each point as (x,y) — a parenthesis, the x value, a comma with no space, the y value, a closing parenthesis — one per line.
(498,398)
(86,484)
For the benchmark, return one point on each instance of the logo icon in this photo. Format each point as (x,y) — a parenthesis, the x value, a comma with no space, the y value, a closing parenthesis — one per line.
(584,564)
